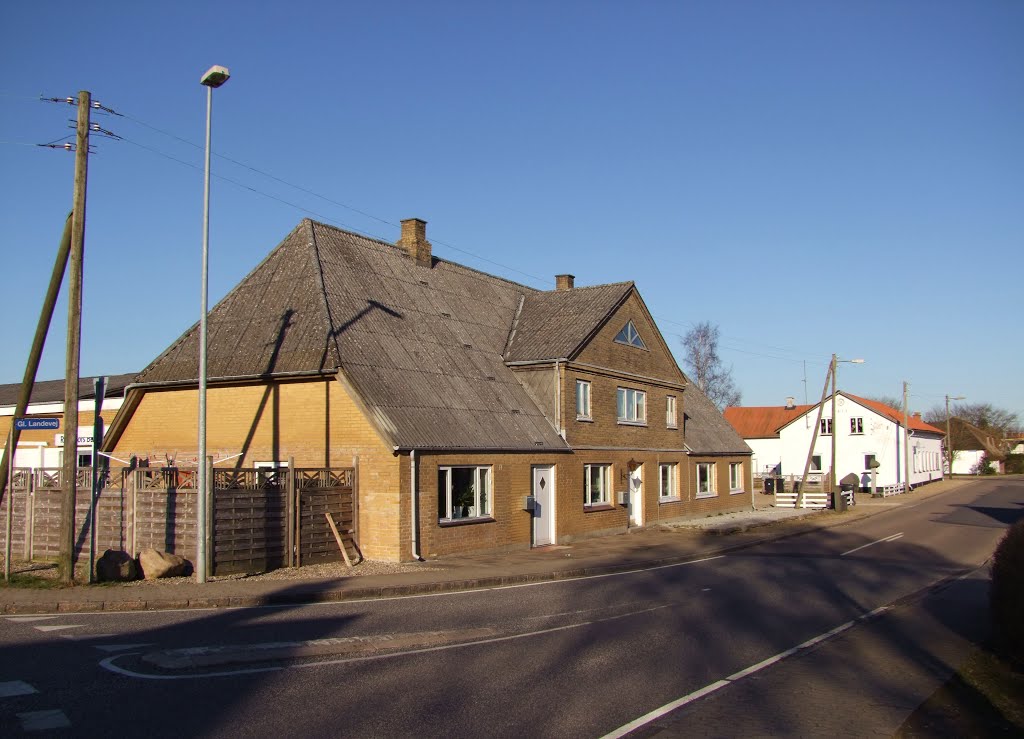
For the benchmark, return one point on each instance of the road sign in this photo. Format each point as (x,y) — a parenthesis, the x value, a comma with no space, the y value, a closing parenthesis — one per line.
(27,424)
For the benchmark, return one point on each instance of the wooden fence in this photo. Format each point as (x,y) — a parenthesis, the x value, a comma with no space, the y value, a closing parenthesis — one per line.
(260,519)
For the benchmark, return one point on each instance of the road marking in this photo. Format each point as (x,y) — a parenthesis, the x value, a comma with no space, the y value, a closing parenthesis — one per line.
(85,637)
(58,627)
(16,687)
(44,720)
(29,619)
(736,676)
(894,537)
(108,663)
(121,647)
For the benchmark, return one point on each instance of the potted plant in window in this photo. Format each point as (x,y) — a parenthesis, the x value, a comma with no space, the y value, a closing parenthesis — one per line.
(464,502)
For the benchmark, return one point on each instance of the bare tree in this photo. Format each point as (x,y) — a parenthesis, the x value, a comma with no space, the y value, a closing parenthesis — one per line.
(887,400)
(983,415)
(706,368)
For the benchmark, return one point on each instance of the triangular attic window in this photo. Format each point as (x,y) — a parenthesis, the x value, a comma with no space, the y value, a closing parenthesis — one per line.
(629,335)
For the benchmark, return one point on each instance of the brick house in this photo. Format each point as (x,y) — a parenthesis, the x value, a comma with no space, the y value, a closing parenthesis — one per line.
(465,397)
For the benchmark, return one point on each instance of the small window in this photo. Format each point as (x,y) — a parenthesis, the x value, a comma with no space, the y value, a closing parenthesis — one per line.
(735,477)
(868,459)
(629,336)
(856,425)
(463,492)
(631,406)
(816,463)
(705,479)
(669,474)
(582,399)
(826,427)
(671,417)
(596,484)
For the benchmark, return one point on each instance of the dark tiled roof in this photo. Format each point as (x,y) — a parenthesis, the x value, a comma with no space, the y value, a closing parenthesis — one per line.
(556,325)
(52,391)
(707,431)
(421,346)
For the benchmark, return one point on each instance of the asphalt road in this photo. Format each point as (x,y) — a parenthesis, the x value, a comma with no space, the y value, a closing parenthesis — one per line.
(730,645)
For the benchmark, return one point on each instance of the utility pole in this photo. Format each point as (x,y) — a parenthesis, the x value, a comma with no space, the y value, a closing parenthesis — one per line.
(66,557)
(817,425)
(906,438)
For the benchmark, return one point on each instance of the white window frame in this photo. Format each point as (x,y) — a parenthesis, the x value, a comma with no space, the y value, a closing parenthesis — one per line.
(631,406)
(480,510)
(630,337)
(672,491)
(604,479)
(710,491)
(671,412)
(583,393)
(857,425)
(735,477)
(826,427)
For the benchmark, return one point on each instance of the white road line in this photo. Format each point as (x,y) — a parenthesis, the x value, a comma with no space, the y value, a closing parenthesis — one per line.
(894,537)
(43,720)
(108,663)
(58,627)
(708,689)
(85,637)
(29,619)
(16,687)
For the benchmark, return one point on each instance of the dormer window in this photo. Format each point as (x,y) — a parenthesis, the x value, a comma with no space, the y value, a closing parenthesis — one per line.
(628,335)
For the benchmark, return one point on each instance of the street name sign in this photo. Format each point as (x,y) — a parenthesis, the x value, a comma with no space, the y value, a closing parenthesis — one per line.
(28,424)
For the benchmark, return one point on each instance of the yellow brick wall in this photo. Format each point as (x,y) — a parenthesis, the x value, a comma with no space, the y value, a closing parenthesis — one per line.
(314,421)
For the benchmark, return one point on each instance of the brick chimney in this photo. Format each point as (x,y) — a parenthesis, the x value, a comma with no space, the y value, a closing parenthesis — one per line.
(414,241)
(916,415)
(565,282)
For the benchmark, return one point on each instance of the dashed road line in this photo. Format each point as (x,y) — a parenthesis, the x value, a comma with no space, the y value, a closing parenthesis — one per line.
(13,688)
(43,720)
(29,619)
(894,537)
(57,627)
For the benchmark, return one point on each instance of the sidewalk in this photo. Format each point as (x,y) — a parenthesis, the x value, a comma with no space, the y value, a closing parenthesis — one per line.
(633,549)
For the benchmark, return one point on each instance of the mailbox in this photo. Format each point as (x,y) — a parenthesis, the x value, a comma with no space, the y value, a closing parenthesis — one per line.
(624,497)
(529,503)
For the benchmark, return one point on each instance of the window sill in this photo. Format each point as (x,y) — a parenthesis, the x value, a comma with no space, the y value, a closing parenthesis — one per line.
(585,419)
(672,426)
(698,496)
(447,523)
(623,422)
(598,507)
(737,492)
(671,499)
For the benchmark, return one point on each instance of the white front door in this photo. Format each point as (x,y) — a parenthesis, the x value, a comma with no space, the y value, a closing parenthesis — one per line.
(543,506)
(636,496)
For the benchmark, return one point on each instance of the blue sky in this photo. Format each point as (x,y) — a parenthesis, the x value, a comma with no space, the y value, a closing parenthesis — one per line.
(812,177)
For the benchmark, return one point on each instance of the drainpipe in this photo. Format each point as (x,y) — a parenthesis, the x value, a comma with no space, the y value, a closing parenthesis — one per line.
(414,502)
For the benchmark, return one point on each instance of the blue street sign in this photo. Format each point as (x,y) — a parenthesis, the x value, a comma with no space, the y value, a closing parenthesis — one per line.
(26,424)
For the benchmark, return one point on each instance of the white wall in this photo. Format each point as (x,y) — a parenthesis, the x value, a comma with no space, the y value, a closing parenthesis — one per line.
(767,454)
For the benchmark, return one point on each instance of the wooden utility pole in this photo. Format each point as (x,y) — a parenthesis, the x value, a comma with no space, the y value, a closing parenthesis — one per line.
(66,559)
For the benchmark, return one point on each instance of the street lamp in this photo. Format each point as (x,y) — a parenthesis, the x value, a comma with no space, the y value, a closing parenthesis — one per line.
(949,435)
(835,427)
(214,77)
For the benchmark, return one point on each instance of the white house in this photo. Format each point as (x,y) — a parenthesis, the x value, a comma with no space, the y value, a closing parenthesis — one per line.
(780,437)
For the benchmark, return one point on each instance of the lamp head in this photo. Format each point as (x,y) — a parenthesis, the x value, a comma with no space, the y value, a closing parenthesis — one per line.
(215,76)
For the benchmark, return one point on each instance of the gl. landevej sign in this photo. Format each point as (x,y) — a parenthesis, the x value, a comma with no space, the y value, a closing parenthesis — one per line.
(32,424)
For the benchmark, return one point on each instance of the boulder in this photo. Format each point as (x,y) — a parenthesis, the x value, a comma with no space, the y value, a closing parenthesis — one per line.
(156,564)
(116,566)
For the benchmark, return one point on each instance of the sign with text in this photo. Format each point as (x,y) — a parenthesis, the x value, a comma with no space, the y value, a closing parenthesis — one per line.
(83,440)
(31,424)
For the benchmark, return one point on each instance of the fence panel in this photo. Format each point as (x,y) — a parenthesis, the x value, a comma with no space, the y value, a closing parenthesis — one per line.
(321,491)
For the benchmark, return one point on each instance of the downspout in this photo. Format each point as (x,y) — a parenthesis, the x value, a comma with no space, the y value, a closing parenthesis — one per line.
(558,401)
(414,502)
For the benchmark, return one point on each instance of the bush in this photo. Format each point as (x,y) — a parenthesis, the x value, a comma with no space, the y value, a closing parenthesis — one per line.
(1007,591)
(1015,464)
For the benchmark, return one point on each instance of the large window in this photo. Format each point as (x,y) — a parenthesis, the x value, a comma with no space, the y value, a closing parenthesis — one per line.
(597,479)
(582,399)
(669,482)
(463,492)
(671,417)
(826,427)
(735,477)
(857,425)
(632,405)
(705,479)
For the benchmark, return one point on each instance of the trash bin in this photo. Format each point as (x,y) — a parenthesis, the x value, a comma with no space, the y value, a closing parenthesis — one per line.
(769,486)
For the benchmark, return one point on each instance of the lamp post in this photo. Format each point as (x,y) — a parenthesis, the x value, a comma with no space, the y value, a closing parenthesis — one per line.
(949,435)
(835,427)
(214,77)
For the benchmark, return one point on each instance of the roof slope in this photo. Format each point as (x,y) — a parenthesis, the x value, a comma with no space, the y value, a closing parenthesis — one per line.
(915,423)
(421,346)
(556,325)
(52,391)
(707,431)
(762,422)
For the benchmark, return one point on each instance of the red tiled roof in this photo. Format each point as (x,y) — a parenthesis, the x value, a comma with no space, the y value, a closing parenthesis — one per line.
(762,422)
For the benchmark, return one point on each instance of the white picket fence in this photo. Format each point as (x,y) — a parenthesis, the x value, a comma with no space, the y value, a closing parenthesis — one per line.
(897,489)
